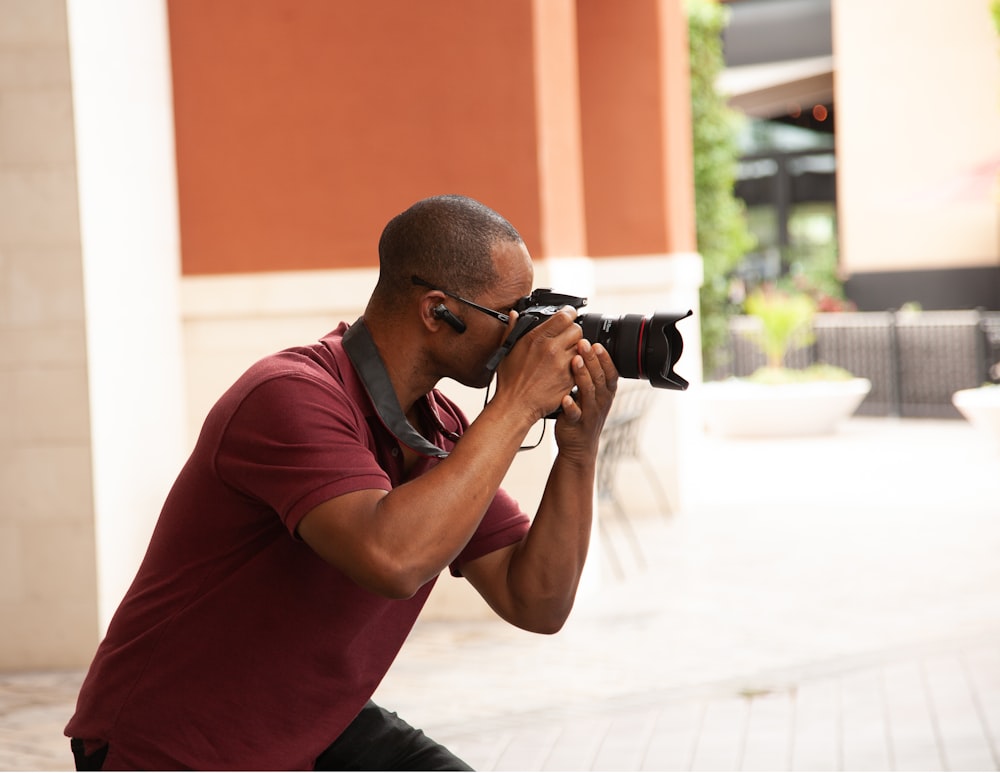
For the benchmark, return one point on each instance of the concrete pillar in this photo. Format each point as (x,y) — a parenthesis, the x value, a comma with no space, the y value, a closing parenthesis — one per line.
(131,272)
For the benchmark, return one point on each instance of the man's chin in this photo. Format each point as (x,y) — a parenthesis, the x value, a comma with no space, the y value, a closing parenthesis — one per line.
(481,381)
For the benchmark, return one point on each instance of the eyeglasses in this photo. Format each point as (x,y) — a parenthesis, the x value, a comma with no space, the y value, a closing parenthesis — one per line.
(497,315)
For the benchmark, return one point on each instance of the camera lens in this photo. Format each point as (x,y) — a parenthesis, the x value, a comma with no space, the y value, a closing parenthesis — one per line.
(644,347)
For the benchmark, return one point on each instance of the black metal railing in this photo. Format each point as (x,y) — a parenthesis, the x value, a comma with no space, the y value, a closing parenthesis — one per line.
(915,360)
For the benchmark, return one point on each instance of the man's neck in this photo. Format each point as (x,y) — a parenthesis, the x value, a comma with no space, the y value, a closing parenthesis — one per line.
(372,370)
(401,357)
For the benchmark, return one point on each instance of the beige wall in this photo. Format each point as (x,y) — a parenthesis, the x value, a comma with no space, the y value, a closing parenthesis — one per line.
(48,590)
(918,129)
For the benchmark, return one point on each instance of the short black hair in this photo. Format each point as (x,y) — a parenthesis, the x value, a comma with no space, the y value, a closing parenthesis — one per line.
(447,241)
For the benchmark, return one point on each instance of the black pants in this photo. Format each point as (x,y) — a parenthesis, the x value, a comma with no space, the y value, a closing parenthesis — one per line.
(376,740)
(84,761)
(379,740)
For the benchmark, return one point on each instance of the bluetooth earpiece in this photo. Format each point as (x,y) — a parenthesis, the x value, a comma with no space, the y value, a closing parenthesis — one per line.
(443,312)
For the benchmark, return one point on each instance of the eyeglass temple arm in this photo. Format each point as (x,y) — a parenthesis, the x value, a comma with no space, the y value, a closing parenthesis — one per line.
(505,318)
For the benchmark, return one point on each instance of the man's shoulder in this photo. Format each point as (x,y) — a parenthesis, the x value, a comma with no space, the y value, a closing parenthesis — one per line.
(291,374)
(321,361)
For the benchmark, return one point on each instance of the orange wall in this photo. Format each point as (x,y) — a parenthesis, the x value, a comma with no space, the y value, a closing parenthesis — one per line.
(303,126)
(636,126)
(675,119)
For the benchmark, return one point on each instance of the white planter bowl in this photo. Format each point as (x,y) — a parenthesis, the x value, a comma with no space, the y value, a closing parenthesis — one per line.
(738,408)
(981,407)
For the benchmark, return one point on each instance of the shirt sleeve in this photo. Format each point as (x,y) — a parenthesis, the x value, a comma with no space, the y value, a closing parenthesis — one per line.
(504,524)
(294,442)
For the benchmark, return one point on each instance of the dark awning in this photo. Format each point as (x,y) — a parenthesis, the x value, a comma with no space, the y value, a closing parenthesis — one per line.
(779,55)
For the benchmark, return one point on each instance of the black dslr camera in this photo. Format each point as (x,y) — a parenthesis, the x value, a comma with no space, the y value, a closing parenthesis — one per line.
(640,347)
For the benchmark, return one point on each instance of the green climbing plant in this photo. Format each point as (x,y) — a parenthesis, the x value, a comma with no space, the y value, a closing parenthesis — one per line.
(722,232)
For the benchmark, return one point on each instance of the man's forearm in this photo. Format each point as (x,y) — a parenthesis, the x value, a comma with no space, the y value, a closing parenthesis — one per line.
(545,572)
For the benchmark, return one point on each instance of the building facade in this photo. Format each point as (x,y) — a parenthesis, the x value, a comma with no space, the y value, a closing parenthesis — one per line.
(187,186)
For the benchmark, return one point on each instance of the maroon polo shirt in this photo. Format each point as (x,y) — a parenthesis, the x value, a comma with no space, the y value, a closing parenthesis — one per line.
(236,646)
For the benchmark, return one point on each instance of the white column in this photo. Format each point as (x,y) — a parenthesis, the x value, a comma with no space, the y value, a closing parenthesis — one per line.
(123,113)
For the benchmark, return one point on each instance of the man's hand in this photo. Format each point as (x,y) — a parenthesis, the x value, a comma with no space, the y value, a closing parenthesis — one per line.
(578,428)
(537,374)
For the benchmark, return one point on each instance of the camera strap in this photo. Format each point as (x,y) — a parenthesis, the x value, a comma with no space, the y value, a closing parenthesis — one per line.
(524,323)
(371,370)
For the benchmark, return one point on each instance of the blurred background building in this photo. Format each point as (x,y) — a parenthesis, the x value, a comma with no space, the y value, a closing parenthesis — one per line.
(872,149)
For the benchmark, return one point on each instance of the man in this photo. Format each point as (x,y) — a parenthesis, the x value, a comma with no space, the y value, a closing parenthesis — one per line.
(329,487)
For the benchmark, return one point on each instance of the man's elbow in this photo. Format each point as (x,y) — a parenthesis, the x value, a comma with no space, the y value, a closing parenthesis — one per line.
(549,627)
(401,583)
(392,578)
(547,619)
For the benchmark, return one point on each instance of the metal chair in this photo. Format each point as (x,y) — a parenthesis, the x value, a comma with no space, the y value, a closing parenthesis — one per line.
(621,439)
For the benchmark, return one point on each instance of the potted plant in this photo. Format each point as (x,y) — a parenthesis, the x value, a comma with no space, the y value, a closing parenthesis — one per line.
(981,408)
(777,400)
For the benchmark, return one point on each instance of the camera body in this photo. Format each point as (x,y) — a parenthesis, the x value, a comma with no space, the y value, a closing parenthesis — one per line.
(641,347)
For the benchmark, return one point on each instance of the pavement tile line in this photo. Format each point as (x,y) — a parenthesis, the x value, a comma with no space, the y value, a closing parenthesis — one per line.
(986,702)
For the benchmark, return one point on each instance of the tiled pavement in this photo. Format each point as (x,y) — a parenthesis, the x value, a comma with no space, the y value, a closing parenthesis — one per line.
(937,709)
(819,604)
